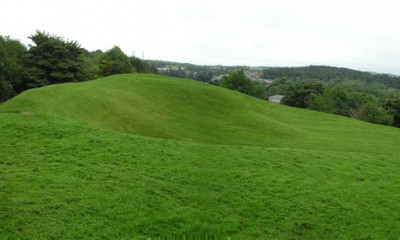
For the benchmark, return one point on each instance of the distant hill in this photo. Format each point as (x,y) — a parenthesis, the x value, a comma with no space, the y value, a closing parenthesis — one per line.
(333,74)
(161,63)
(151,156)
(203,73)
(323,73)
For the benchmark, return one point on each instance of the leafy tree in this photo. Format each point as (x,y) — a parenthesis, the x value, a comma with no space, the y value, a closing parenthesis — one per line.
(337,99)
(176,73)
(328,101)
(340,100)
(301,94)
(203,75)
(54,60)
(115,61)
(142,66)
(332,75)
(12,69)
(376,113)
(138,64)
(372,111)
(392,104)
(91,61)
(6,91)
(238,81)
(259,91)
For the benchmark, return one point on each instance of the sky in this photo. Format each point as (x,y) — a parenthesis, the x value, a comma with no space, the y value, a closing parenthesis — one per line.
(363,35)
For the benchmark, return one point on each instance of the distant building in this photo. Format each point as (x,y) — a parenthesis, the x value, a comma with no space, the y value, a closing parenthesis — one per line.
(275,98)
(216,79)
(256,77)
(267,82)
(163,69)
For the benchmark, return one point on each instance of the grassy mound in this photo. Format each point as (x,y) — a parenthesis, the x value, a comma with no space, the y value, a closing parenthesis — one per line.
(149,156)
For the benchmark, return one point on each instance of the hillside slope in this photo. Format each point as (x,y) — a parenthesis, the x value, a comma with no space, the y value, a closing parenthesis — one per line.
(331,74)
(163,107)
(151,156)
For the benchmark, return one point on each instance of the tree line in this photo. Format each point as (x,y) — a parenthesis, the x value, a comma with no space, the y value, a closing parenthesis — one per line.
(331,75)
(341,100)
(53,59)
(365,96)
(237,80)
(349,93)
(202,73)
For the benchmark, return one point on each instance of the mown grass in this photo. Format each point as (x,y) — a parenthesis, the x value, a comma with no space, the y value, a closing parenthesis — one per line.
(83,162)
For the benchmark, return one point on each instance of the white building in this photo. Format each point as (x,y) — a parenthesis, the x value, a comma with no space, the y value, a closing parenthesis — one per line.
(163,69)
(275,98)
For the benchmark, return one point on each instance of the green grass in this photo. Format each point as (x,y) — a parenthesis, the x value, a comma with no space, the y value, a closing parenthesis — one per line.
(150,156)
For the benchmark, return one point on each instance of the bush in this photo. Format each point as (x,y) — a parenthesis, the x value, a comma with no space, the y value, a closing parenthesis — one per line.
(301,94)
(115,61)
(238,81)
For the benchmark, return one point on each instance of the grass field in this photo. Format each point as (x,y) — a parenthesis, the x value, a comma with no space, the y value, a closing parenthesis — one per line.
(151,156)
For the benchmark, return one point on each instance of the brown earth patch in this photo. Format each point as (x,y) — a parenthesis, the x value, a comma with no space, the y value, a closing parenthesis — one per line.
(26,113)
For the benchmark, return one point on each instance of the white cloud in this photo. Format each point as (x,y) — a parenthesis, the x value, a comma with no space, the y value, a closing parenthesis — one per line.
(352,33)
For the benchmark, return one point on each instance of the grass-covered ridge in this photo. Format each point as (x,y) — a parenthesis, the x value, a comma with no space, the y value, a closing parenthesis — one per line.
(171,108)
(145,155)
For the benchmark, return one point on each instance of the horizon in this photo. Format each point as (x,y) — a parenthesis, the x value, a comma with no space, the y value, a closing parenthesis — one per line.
(358,36)
(282,66)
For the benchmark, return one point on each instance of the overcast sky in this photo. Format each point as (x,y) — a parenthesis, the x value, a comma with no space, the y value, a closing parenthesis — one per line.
(357,34)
